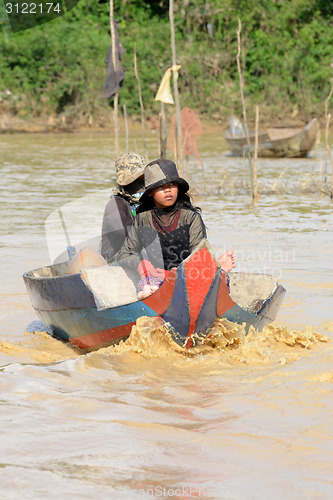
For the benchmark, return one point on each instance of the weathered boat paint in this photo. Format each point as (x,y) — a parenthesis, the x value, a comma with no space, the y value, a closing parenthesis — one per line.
(276,143)
(190,300)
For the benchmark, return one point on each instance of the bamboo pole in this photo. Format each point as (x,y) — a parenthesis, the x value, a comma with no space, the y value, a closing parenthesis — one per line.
(255,157)
(162,132)
(187,159)
(241,85)
(326,100)
(327,146)
(114,61)
(160,139)
(328,150)
(141,102)
(126,127)
(179,140)
(280,177)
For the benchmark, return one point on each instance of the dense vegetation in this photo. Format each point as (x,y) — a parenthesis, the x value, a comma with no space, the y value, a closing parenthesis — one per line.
(287,58)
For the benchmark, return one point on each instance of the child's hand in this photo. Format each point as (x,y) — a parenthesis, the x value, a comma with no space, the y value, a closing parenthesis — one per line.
(160,273)
(147,291)
(227,261)
(146,268)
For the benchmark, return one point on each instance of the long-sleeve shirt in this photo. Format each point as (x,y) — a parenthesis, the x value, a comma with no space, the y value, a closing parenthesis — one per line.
(117,220)
(163,247)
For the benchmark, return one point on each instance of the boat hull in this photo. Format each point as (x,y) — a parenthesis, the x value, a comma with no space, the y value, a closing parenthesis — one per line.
(277,143)
(190,300)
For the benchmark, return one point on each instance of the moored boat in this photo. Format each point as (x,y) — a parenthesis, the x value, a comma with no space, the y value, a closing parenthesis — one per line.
(99,306)
(274,143)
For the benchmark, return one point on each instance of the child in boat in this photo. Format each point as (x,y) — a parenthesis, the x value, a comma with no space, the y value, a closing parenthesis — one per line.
(121,208)
(166,230)
(118,215)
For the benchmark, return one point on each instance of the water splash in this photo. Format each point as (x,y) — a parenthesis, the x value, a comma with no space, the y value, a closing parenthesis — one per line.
(226,343)
(38,346)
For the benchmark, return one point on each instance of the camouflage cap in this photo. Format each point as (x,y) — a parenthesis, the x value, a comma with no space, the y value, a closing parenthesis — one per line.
(129,167)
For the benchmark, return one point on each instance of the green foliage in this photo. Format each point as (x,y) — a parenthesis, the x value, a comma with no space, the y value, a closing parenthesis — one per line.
(53,67)
(286,57)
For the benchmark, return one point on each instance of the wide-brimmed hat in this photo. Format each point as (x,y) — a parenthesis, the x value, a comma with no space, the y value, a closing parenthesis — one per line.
(160,172)
(129,167)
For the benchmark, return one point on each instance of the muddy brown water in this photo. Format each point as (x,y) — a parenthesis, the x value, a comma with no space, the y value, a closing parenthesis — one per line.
(241,418)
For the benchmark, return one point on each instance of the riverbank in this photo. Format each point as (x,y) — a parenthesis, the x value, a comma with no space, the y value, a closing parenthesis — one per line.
(11,124)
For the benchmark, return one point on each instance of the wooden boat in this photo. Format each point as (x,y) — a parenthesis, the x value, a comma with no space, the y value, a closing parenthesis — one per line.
(99,306)
(275,143)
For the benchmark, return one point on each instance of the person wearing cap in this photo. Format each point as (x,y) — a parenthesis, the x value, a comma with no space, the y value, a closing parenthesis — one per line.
(120,210)
(166,230)
(118,215)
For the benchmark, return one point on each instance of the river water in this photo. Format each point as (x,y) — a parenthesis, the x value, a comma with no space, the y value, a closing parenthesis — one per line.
(248,419)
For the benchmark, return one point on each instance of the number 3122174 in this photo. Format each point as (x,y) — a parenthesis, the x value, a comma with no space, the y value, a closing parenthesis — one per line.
(33,8)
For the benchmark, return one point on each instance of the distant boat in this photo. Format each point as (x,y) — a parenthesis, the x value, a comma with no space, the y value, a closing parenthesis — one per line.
(99,306)
(275,143)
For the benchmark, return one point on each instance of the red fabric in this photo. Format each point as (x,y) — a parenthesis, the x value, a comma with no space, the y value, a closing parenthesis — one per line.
(146,268)
(166,229)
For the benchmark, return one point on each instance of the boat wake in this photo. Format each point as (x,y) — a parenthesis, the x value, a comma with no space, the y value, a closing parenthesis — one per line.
(226,344)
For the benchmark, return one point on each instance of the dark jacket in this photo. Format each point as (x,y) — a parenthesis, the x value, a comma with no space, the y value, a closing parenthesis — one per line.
(163,249)
(117,220)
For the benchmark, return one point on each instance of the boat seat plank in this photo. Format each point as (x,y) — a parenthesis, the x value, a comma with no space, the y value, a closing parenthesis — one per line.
(110,286)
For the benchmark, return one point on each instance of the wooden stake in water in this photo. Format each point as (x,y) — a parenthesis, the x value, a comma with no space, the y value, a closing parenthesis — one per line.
(141,103)
(162,132)
(114,61)
(255,157)
(179,140)
(241,85)
(126,127)
(280,176)
(328,150)
(327,146)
